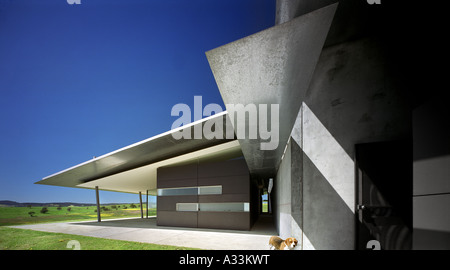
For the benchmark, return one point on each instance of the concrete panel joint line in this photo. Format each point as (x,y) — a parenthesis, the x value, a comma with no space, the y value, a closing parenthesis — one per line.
(274,66)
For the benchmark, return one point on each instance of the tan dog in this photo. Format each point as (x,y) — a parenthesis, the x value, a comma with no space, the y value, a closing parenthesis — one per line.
(277,243)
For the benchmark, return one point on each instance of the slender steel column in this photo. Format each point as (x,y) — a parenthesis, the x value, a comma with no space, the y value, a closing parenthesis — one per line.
(140,202)
(147,205)
(99,218)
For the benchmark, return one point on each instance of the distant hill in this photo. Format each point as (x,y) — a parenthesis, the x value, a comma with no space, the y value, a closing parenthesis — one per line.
(63,204)
(16,204)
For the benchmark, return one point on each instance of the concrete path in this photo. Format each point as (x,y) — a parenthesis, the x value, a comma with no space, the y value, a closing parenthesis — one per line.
(146,231)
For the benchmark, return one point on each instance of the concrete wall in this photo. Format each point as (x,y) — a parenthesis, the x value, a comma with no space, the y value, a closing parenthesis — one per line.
(350,101)
(288,202)
(355,96)
(287,10)
(431,186)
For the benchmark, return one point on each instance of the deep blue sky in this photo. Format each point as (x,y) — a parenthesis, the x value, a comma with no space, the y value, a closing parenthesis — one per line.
(78,81)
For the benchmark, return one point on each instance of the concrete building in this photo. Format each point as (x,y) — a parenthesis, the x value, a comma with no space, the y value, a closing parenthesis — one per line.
(361,154)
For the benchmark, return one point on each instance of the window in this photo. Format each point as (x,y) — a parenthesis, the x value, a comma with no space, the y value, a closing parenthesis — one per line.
(187,207)
(210,190)
(177,191)
(214,207)
(265,202)
(205,190)
(224,207)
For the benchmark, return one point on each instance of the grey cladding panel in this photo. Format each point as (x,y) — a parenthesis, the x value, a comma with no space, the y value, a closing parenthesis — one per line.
(232,175)
(177,219)
(227,168)
(178,172)
(186,182)
(169,203)
(431,212)
(220,220)
(224,198)
(230,184)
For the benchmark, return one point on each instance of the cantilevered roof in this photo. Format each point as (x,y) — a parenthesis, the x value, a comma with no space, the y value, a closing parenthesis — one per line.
(274,66)
(132,169)
(144,178)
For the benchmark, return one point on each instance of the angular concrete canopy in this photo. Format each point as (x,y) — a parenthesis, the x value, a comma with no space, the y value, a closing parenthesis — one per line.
(133,168)
(274,66)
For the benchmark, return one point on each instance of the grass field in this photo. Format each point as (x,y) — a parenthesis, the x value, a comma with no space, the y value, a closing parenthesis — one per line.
(21,215)
(265,207)
(20,239)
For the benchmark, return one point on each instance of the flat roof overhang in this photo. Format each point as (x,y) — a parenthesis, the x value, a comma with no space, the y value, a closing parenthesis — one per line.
(132,169)
(274,66)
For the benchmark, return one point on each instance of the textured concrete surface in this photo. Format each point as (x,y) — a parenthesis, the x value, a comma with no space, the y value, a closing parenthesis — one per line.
(289,194)
(273,66)
(353,98)
(283,196)
(350,100)
(146,231)
(287,10)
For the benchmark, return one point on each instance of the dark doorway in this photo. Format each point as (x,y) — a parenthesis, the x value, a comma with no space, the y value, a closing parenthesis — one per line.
(384,194)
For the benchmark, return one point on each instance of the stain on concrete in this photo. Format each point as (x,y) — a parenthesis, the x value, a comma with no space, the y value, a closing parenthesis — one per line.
(341,59)
(336,102)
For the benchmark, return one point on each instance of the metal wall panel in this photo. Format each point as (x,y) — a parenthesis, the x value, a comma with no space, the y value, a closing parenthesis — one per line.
(221,169)
(177,219)
(174,183)
(178,172)
(224,198)
(168,203)
(230,184)
(232,175)
(224,220)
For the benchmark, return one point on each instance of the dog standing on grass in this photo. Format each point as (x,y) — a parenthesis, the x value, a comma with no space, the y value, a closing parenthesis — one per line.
(276,243)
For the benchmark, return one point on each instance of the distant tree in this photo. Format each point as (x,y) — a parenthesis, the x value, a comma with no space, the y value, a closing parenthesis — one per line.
(31,213)
(133,205)
(114,207)
(44,210)
(69,209)
(58,208)
(125,207)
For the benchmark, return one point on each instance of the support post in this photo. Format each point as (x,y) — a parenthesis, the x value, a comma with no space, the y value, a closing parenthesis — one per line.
(147,205)
(99,218)
(140,202)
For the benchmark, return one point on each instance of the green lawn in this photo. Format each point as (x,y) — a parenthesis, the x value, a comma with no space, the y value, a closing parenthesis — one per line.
(265,207)
(20,215)
(20,239)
